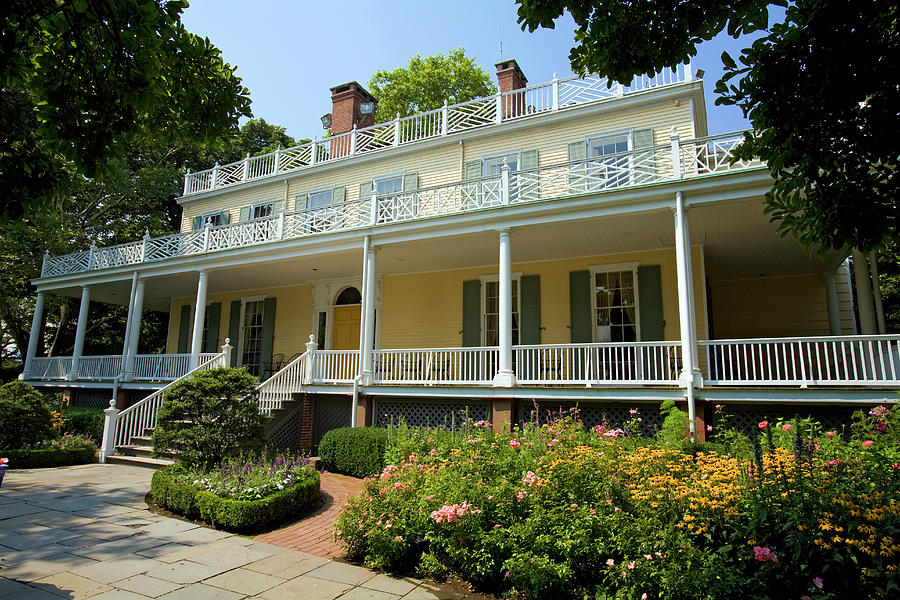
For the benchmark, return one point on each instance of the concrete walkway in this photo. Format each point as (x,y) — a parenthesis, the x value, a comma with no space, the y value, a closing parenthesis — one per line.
(314,533)
(85,532)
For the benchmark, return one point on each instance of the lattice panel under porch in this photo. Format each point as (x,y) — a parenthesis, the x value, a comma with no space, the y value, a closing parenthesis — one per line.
(287,436)
(429,413)
(593,414)
(330,413)
(92,398)
(746,419)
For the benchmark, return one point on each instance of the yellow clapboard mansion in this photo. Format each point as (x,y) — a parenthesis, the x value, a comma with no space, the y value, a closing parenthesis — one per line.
(572,242)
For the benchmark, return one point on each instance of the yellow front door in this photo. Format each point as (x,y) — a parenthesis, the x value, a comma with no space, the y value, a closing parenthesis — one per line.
(346,327)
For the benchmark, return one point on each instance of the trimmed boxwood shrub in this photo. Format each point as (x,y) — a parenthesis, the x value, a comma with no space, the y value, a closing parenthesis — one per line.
(356,451)
(240,516)
(48,457)
(24,416)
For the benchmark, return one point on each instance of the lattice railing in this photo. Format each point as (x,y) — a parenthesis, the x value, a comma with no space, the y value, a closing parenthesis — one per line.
(588,176)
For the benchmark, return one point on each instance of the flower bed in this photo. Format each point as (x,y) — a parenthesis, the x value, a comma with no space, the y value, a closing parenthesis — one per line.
(57,452)
(554,511)
(242,495)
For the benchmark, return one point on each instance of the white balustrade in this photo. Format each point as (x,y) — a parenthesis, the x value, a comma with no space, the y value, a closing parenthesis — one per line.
(637,363)
(47,368)
(164,367)
(805,361)
(335,366)
(99,368)
(593,175)
(140,417)
(281,386)
(428,366)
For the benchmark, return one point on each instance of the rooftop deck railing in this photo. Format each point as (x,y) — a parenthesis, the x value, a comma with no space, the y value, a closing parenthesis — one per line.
(695,158)
(556,95)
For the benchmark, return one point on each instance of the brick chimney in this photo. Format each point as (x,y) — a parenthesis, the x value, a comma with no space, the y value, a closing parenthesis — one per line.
(345,113)
(509,78)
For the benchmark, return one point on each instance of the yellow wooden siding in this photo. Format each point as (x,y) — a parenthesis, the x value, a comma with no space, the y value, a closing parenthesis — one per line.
(445,164)
(293,314)
(425,309)
(770,307)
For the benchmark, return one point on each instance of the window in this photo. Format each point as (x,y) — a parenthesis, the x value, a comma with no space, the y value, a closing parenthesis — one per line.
(493,165)
(251,335)
(490,311)
(388,185)
(615,303)
(615,170)
(261,210)
(211,219)
(319,199)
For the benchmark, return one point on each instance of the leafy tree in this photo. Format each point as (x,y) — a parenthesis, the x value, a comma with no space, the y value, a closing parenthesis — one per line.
(25,416)
(427,82)
(81,81)
(259,137)
(209,417)
(821,90)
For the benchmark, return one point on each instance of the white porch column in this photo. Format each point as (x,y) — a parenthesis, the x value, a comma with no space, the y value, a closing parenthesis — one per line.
(80,331)
(690,374)
(364,292)
(864,302)
(505,376)
(134,328)
(831,297)
(199,314)
(369,305)
(876,291)
(33,339)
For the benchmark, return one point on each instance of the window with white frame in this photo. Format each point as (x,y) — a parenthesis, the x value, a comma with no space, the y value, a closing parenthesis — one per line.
(320,198)
(616,314)
(490,310)
(493,165)
(388,185)
(251,335)
(261,210)
(613,171)
(211,219)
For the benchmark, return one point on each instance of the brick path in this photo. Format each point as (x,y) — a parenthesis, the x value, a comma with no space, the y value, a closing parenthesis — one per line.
(313,534)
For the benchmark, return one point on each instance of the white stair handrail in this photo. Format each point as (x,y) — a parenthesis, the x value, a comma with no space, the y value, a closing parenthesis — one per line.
(281,386)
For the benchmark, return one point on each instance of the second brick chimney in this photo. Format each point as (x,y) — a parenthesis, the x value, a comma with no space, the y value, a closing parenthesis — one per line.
(510,77)
(345,108)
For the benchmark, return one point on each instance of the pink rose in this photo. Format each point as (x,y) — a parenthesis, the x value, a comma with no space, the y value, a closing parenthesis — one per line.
(834,462)
(867,443)
(763,424)
(786,427)
(817,581)
(610,562)
(764,554)
(514,443)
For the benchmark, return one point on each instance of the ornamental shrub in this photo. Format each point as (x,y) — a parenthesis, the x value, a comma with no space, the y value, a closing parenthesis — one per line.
(356,451)
(83,420)
(210,416)
(24,416)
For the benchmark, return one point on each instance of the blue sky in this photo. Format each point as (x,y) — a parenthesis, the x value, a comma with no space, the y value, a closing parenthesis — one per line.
(289,53)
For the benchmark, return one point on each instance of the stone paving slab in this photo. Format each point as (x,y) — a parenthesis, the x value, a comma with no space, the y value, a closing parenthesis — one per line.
(85,532)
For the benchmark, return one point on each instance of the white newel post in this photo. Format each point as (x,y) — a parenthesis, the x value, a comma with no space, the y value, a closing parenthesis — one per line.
(831,299)
(226,350)
(505,376)
(504,184)
(365,295)
(353,137)
(199,314)
(498,118)
(80,331)
(187,178)
(311,348)
(690,377)
(134,333)
(369,304)
(35,335)
(445,119)
(555,88)
(246,172)
(864,301)
(397,130)
(110,416)
(876,291)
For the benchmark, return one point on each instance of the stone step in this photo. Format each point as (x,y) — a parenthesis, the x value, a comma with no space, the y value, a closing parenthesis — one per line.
(139,461)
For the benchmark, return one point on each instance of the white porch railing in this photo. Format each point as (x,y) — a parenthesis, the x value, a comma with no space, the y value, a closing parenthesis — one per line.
(281,386)
(556,95)
(589,176)
(48,368)
(100,368)
(637,363)
(335,366)
(436,366)
(164,367)
(805,361)
(141,416)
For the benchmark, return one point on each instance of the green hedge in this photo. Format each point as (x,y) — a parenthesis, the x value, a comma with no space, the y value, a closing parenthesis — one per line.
(48,457)
(83,420)
(356,451)
(241,516)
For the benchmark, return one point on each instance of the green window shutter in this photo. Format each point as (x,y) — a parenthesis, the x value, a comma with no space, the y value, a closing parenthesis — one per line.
(642,138)
(365,190)
(184,330)
(365,210)
(234,329)
(224,217)
(245,213)
(473,169)
(301,202)
(268,334)
(529,160)
(197,223)
(471,313)
(650,303)
(530,308)
(577,173)
(577,150)
(213,316)
(277,207)
(580,306)
(410,181)
(338,194)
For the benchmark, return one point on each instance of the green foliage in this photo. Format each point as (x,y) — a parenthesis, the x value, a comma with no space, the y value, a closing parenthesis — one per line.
(675,427)
(210,416)
(24,416)
(553,511)
(180,490)
(83,421)
(356,451)
(427,82)
(39,458)
(820,90)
